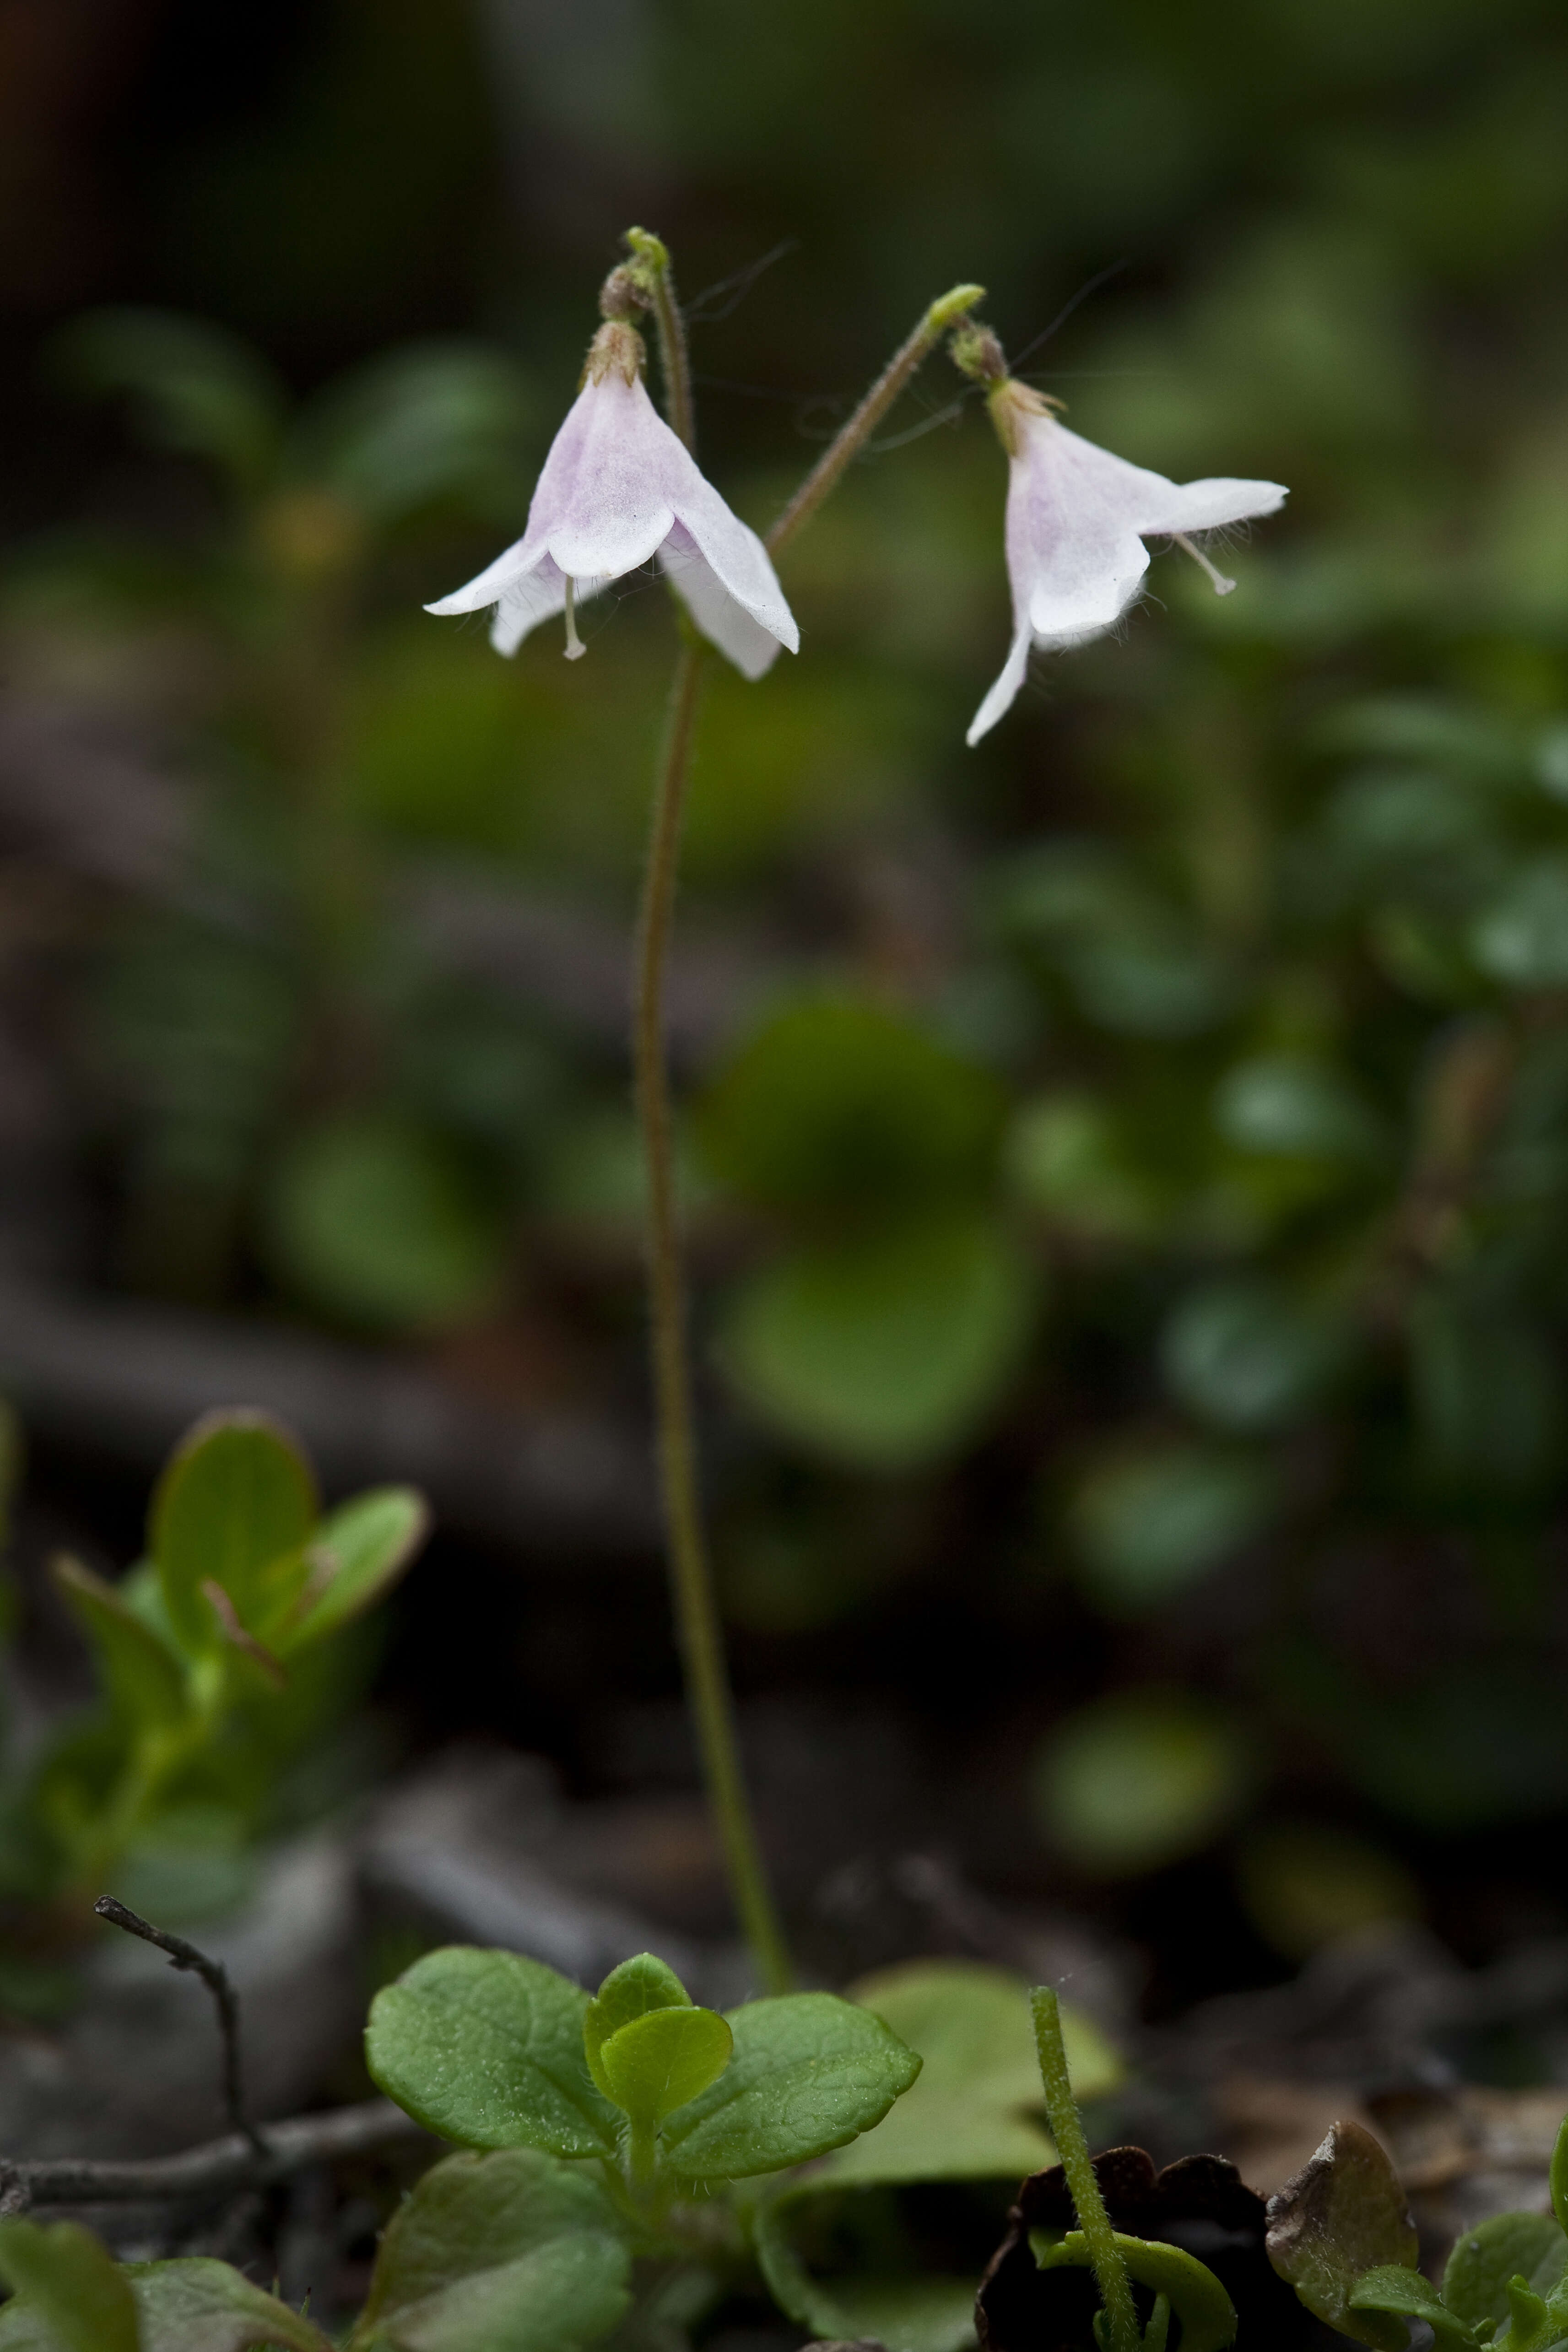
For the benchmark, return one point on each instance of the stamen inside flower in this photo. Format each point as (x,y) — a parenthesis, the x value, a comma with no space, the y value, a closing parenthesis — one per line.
(575,648)
(1222,586)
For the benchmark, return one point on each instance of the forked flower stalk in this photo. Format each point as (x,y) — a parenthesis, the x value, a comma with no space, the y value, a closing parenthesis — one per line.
(1067,2130)
(647,282)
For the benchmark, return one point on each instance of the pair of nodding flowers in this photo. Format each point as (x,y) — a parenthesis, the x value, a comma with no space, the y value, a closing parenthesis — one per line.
(620,488)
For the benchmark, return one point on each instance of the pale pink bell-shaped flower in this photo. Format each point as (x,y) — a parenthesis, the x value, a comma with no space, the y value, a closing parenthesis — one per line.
(618,488)
(1076,520)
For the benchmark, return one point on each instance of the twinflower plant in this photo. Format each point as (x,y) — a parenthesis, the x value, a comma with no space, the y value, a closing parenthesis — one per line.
(620,488)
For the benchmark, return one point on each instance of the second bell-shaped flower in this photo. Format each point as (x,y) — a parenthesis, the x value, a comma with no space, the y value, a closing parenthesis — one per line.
(619,489)
(1076,520)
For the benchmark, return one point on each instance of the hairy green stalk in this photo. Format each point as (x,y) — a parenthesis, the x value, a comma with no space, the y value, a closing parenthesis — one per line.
(698,1625)
(650,267)
(825,474)
(1067,2130)
(696,1609)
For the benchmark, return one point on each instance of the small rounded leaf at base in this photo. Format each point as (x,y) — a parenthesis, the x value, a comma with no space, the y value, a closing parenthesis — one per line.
(196,2304)
(69,2290)
(635,1988)
(659,2061)
(808,2073)
(486,2049)
(510,2249)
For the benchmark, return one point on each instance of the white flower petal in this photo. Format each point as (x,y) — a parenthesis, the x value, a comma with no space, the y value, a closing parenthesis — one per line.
(1210,505)
(1076,520)
(1085,587)
(617,487)
(722,621)
(538,596)
(487,587)
(601,508)
(738,561)
(1004,692)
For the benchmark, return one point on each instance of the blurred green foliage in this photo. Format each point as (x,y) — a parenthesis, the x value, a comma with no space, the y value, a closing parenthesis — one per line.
(219,1659)
(1172,1098)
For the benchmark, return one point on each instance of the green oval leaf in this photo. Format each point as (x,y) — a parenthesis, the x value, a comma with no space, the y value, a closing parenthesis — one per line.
(1140,1779)
(1522,938)
(1505,2246)
(808,2073)
(638,1986)
(1406,2295)
(381,1224)
(357,1555)
(196,2304)
(885,1350)
(837,1104)
(1207,2313)
(974,2113)
(1151,1520)
(1248,1357)
(659,2061)
(486,2048)
(145,1680)
(235,1501)
(509,2248)
(70,2289)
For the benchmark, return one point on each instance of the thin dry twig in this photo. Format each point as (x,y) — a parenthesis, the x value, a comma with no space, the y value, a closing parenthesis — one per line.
(217,2169)
(226,2001)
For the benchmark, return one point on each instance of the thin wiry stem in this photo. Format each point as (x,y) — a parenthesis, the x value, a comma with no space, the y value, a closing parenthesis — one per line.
(696,1610)
(658,280)
(825,474)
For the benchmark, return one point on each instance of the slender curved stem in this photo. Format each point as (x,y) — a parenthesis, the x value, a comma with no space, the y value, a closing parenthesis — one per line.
(696,1610)
(1067,2130)
(825,474)
(658,278)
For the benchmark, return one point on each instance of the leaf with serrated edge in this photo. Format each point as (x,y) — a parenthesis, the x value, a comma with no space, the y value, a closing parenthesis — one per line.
(236,1499)
(1205,2312)
(357,1555)
(1502,2247)
(70,2292)
(638,1985)
(1342,2215)
(486,2049)
(659,2061)
(808,2073)
(511,2248)
(195,2304)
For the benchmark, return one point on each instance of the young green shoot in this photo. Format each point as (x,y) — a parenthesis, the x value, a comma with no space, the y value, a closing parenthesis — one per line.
(1067,2130)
